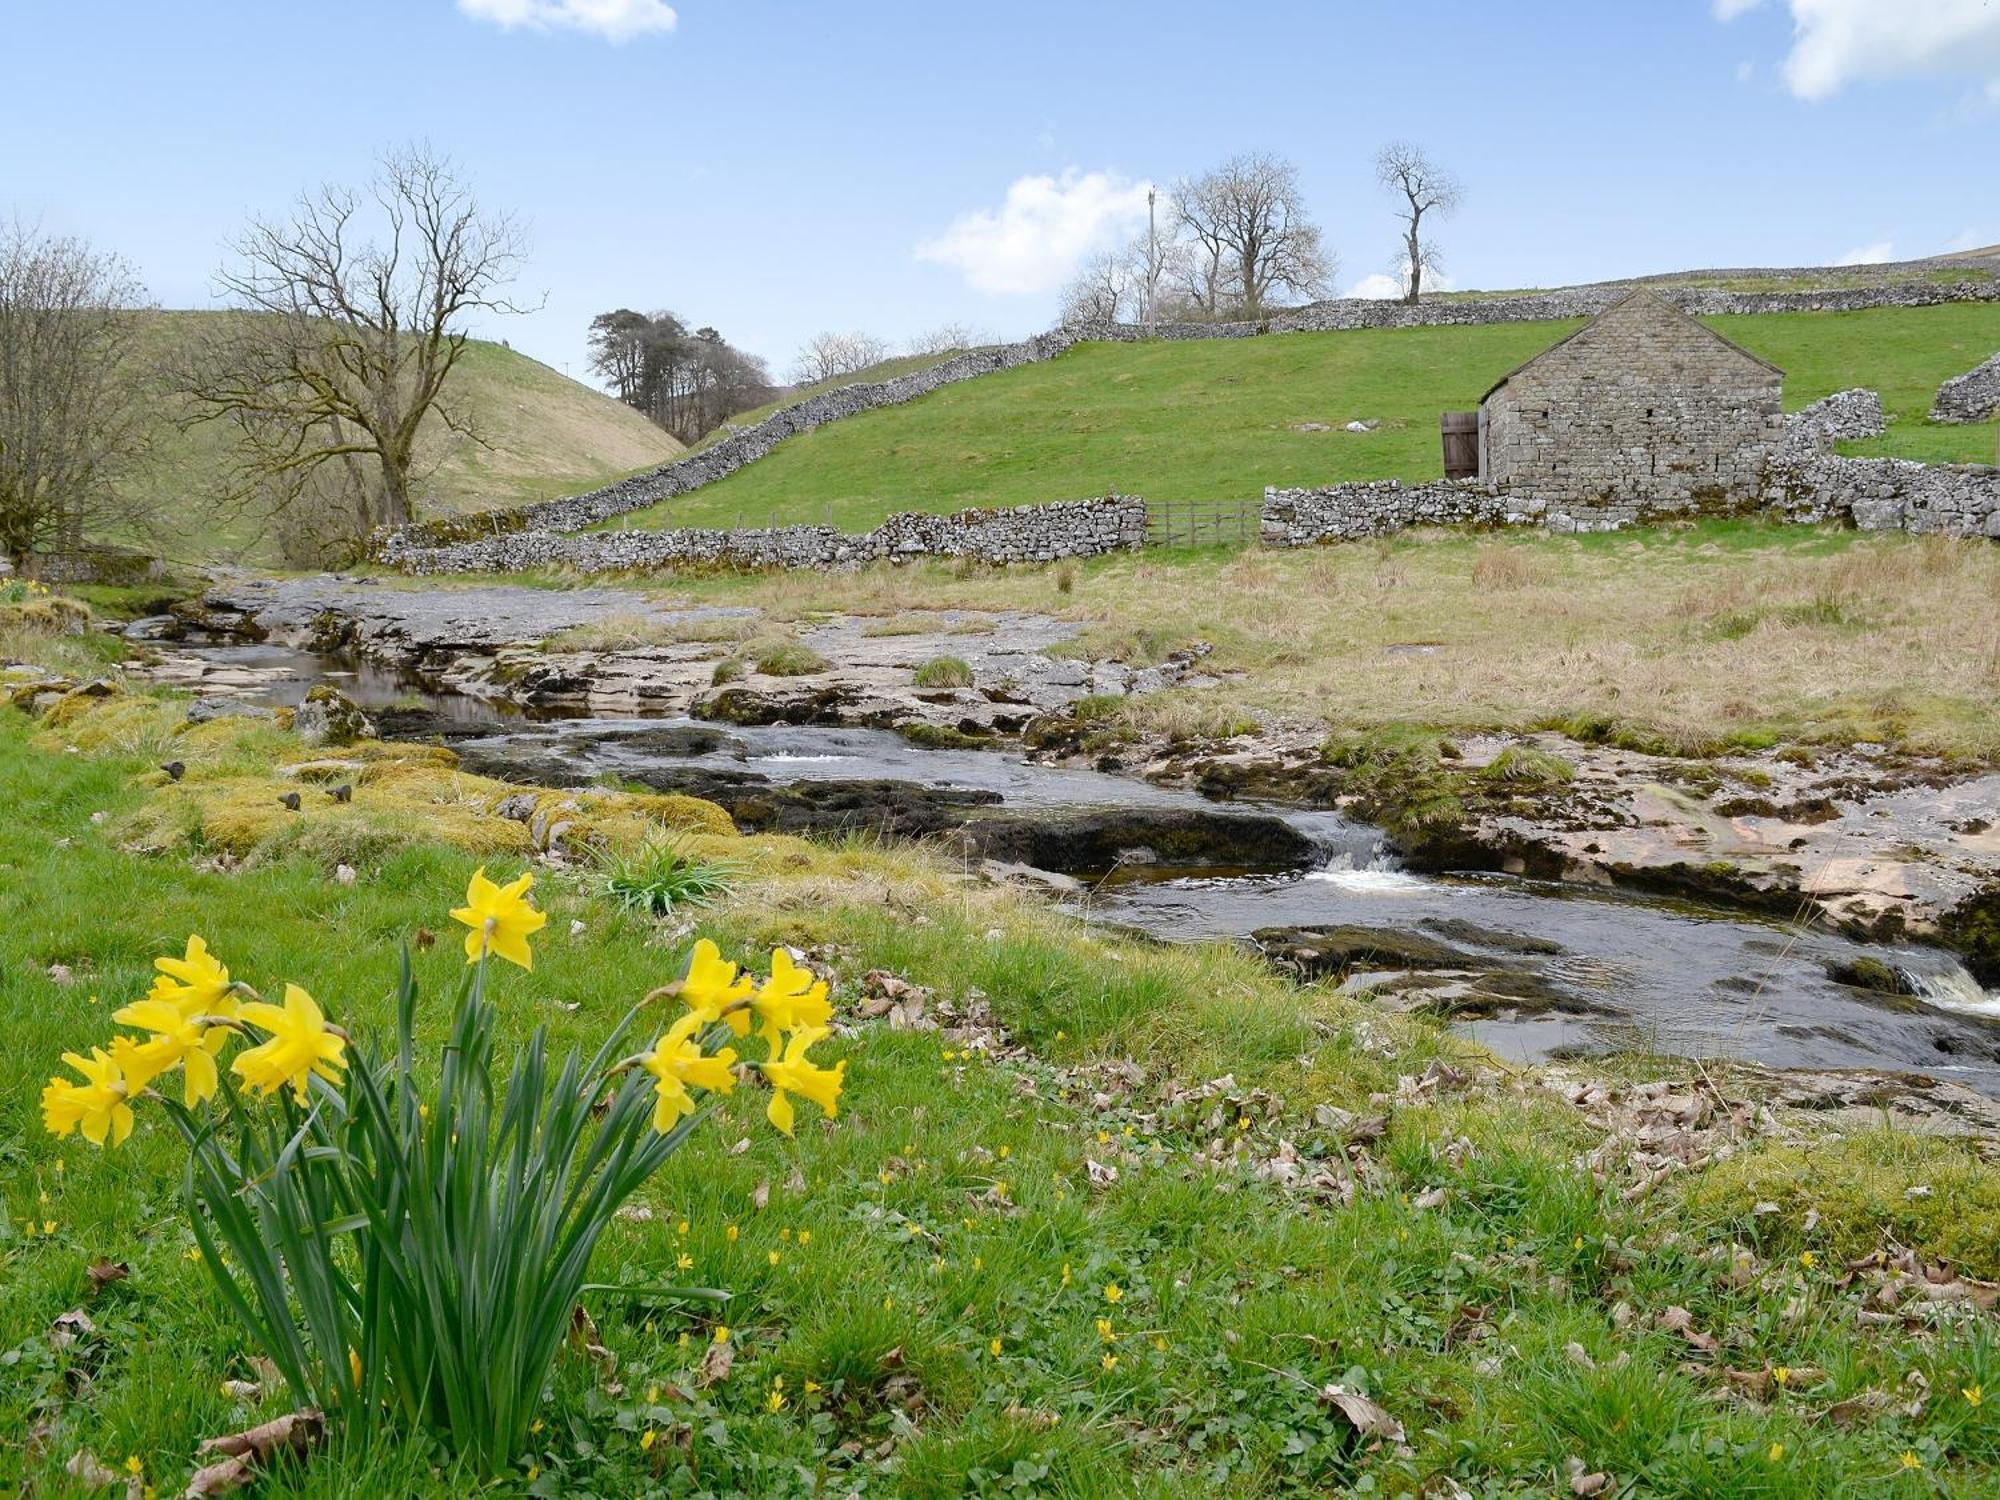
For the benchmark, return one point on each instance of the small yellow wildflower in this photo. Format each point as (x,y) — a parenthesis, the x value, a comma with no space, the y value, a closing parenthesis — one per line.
(772,1257)
(647,1439)
(1777,1452)
(1005,1152)
(1104,1330)
(1910,1460)
(812,1387)
(1065,1275)
(805,1236)
(48,1226)
(683,1262)
(722,1333)
(500,919)
(681,1229)
(300,1044)
(1160,1342)
(1808,1259)
(133,1466)
(1110,1361)
(1973,1394)
(1113,1292)
(730,1233)
(993,1348)
(1782,1374)
(775,1401)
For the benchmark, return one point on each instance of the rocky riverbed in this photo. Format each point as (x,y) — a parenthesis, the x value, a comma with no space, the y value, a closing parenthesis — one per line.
(1867,840)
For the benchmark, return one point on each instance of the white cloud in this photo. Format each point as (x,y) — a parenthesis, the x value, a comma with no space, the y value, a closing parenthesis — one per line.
(614,20)
(1836,42)
(1036,239)
(1383,286)
(1379,287)
(1869,255)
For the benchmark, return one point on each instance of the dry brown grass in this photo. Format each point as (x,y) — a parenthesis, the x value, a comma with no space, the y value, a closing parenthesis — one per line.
(1718,631)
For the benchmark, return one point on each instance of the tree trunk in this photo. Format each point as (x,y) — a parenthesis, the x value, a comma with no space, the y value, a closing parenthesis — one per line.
(1416,265)
(395,493)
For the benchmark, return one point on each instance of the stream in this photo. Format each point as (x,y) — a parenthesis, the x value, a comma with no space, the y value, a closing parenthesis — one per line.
(1597,970)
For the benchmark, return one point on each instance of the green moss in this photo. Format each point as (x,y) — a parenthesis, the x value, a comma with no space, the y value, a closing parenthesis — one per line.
(1868,1192)
(1525,766)
(943,737)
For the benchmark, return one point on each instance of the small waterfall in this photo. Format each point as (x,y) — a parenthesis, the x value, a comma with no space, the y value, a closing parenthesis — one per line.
(1343,847)
(1952,989)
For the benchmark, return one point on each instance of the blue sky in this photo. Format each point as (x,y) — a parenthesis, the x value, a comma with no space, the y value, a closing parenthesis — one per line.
(776,168)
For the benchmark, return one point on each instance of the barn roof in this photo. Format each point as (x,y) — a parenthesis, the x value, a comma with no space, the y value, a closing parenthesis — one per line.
(1635,295)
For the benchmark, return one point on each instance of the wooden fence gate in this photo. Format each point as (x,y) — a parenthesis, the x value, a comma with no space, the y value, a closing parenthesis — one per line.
(1202,523)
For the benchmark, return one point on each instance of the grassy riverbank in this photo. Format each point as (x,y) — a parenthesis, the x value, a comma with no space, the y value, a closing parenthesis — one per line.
(1696,638)
(1222,418)
(1048,1249)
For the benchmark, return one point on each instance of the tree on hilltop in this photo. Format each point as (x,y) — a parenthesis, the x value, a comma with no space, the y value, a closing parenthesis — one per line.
(1252,245)
(1425,188)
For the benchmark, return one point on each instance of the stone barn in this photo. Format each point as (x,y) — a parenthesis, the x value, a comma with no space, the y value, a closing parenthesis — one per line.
(1641,404)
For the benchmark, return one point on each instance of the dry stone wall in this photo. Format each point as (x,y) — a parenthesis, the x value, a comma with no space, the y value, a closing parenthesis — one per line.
(1027,533)
(1871,494)
(1971,397)
(1842,417)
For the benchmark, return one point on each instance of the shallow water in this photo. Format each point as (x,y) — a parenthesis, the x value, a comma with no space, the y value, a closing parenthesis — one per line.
(1660,975)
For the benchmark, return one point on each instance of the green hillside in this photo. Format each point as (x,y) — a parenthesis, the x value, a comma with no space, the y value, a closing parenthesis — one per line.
(1221,418)
(548,435)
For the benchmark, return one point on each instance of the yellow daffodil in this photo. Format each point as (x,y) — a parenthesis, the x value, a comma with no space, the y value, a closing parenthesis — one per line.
(792,999)
(795,1073)
(176,1016)
(500,919)
(97,1106)
(196,974)
(712,987)
(300,1044)
(676,1061)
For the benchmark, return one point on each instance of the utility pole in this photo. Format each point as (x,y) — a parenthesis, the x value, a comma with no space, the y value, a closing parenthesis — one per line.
(1152,261)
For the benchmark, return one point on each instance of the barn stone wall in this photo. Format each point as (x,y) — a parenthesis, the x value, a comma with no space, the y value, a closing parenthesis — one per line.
(1027,533)
(1643,405)
(1971,397)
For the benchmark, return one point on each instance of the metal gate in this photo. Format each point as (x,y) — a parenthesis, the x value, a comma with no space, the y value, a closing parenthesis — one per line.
(1202,523)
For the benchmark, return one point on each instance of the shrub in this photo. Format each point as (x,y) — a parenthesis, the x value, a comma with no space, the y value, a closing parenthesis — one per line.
(944,672)
(416,1253)
(660,876)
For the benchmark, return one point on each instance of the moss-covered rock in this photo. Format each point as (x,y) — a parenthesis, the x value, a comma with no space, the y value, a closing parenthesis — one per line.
(330,717)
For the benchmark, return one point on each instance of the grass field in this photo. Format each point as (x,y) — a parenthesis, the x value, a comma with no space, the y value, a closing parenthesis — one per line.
(1208,419)
(548,435)
(947,1293)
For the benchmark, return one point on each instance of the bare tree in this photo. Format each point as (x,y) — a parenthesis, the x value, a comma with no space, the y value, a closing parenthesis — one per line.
(1250,239)
(1426,188)
(71,394)
(1104,290)
(828,356)
(946,338)
(355,310)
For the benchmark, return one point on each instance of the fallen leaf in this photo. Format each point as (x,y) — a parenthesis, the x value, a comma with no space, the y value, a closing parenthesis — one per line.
(761,1195)
(716,1364)
(85,1469)
(103,1272)
(297,1432)
(1366,1417)
(71,1329)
